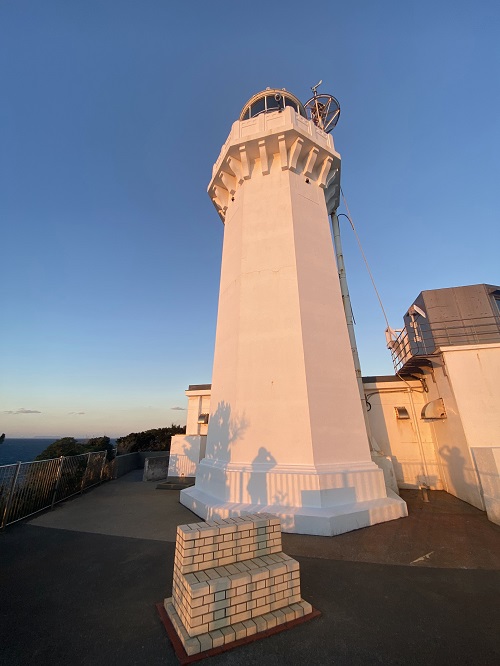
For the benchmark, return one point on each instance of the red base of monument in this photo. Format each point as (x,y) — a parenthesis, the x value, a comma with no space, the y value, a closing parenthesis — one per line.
(184,658)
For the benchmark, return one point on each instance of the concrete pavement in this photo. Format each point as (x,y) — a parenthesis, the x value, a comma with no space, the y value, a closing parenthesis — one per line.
(78,586)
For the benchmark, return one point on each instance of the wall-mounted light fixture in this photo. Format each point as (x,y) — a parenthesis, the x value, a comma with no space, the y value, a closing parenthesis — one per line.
(434,410)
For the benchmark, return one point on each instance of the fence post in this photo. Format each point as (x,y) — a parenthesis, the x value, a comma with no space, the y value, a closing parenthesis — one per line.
(9,497)
(85,474)
(104,458)
(58,478)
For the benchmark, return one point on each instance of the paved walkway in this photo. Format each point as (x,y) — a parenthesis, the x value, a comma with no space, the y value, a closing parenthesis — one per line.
(78,586)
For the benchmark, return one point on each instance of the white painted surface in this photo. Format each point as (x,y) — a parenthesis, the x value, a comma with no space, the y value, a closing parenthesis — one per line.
(386,465)
(408,442)
(286,427)
(467,380)
(198,403)
(474,372)
(487,460)
(452,447)
(185,454)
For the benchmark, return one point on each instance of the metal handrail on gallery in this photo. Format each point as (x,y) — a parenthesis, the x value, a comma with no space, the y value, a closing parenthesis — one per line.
(425,339)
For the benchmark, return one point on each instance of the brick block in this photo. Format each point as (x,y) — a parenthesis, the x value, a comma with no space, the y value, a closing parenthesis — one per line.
(192,646)
(251,627)
(241,617)
(298,610)
(260,623)
(306,606)
(280,616)
(196,631)
(217,638)
(219,584)
(271,620)
(199,590)
(277,569)
(229,634)
(259,575)
(221,623)
(205,642)
(240,630)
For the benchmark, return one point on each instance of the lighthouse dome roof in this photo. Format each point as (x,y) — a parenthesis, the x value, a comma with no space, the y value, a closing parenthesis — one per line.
(269,100)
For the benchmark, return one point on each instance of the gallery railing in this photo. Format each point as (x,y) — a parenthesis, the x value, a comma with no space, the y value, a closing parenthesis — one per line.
(26,488)
(424,339)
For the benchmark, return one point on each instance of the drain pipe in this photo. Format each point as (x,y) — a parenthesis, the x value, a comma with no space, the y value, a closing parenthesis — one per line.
(424,487)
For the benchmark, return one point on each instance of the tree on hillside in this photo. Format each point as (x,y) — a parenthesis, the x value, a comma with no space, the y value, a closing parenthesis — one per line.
(66,446)
(156,439)
(101,444)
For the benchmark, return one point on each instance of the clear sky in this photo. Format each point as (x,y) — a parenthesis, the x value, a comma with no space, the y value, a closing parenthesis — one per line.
(112,113)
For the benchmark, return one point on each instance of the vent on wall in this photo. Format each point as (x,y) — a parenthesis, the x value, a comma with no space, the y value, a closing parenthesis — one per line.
(401,413)
(203,419)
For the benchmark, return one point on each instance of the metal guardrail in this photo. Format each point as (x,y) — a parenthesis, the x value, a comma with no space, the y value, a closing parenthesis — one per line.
(181,465)
(426,339)
(30,487)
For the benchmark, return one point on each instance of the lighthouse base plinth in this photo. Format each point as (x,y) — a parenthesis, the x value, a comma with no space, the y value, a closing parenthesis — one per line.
(307,500)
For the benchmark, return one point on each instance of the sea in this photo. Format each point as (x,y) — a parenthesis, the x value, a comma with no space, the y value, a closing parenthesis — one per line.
(24,450)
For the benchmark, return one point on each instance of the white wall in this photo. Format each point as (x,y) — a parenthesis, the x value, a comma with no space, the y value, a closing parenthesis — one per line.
(409,443)
(474,372)
(185,453)
(198,403)
(487,460)
(467,379)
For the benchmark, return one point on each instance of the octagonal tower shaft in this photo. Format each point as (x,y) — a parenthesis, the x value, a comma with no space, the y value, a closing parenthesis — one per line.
(283,365)
(286,430)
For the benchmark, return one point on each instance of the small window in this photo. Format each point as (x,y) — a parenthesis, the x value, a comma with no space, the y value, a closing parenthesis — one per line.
(273,104)
(497,301)
(203,419)
(247,114)
(401,413)
(289,102)
(258,107)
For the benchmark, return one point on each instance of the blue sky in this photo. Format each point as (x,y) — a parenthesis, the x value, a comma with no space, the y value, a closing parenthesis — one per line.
(112,113)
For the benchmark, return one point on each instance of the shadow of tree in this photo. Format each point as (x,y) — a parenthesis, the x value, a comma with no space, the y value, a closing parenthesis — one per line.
(224,430)
(185,463)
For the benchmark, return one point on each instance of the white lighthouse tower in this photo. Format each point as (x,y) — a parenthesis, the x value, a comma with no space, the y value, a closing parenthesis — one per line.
(286,433)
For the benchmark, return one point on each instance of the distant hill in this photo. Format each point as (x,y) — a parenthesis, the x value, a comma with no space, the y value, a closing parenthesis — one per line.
(157,439)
